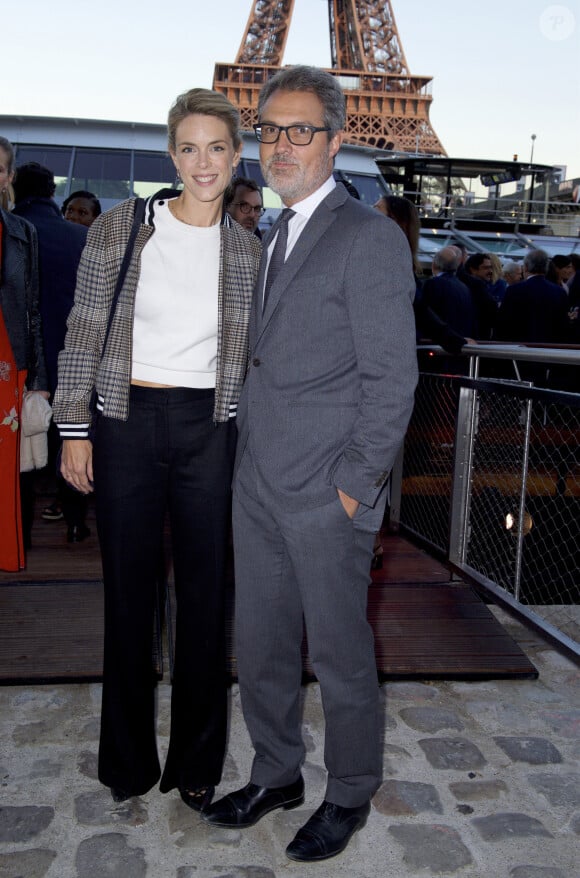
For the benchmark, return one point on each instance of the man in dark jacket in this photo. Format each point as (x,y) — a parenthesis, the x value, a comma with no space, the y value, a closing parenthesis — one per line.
(60,244)
(476,274)
(534,311)
(448,296)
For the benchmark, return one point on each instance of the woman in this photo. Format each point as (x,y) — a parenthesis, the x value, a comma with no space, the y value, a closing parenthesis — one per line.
(498,284)
(21,358)
(167,386)
(81,207)
(560,270)
(429,324)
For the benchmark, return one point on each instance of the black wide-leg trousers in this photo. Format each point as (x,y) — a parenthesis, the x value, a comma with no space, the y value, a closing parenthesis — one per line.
(168,456)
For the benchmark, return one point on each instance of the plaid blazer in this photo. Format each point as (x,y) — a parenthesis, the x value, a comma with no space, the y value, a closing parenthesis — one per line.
(83,365)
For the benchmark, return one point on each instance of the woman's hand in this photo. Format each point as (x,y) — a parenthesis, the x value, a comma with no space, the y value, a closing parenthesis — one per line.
(77,464)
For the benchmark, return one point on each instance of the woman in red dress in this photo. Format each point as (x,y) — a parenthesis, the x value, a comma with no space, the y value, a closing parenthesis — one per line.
(21,358)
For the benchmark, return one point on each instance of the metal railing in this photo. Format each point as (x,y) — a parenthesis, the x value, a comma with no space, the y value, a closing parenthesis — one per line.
(460,208)
(490,480)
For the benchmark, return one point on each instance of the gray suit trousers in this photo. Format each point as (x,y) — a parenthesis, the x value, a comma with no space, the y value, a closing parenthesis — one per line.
(312,564)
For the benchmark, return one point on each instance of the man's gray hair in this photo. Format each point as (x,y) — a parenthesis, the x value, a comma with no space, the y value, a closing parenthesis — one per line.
(447,259)
(302,78)
(536,262)
(512,268)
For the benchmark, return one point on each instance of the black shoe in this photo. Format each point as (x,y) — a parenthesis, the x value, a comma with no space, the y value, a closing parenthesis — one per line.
(77,533)
(198,798)
(328,832)
(52,512)
(246,806)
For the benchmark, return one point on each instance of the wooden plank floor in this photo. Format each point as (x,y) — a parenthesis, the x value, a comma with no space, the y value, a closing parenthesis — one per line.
(52,558)
(426,627)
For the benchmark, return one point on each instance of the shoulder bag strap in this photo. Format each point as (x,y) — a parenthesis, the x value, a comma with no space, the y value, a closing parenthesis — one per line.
(138,218)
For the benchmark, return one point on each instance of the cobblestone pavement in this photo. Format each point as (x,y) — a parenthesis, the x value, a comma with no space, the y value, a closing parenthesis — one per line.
(480,779)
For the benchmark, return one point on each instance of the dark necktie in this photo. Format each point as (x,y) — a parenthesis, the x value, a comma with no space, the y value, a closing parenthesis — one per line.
(279,252)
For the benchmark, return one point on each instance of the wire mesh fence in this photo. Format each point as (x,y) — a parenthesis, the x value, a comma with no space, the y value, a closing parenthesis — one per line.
(491,478)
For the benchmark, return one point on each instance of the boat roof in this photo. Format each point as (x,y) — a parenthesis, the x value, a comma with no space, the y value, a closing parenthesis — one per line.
(420,165)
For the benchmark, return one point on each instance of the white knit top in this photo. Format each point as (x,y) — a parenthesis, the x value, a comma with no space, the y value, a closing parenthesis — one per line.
(176,304)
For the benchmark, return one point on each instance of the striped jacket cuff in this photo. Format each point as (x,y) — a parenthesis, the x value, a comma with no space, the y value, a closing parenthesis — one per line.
(74,431)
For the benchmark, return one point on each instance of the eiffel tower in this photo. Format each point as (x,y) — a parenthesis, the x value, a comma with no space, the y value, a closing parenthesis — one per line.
(387,107)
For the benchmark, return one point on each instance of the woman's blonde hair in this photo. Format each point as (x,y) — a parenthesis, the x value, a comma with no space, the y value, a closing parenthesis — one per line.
(496,267)
(207,103)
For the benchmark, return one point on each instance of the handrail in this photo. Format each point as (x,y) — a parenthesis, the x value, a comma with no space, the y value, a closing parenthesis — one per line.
(567,354)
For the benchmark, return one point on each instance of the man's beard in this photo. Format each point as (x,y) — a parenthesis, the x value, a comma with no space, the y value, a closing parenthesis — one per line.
(298,184)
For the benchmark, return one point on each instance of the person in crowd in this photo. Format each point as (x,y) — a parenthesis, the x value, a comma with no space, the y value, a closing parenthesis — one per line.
(60,245)
(406,215)
(462,253)
(497,285)
(430,324)
(167,386)
(477,273)
(575,275)
(448,297)
(560,270)
(535,311)
(512,273)
(573,285)
(22,366)
(7,175)
(323,411)
(81,207)
(243,202)
(479,265)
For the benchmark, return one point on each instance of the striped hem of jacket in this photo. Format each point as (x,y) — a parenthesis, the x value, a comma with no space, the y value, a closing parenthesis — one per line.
(74,431)
(82,431)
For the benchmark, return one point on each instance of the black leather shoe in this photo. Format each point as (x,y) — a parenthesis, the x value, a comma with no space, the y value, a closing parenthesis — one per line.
(246,806)
(77,533)
(328,832)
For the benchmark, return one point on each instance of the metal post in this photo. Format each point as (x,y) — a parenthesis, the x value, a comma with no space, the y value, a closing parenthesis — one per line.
(522,504)
(466,429)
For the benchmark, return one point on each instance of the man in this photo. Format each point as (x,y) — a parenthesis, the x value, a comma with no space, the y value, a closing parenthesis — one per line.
(534,310)
(449,297)
(479,265)
(512,273)
(243,202)
(323,411)
(477,273)
(60,245)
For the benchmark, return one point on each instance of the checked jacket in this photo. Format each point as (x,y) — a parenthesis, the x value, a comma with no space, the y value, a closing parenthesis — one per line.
(83,365)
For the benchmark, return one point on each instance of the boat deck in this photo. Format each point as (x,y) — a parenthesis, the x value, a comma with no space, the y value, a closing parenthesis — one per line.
(427,626)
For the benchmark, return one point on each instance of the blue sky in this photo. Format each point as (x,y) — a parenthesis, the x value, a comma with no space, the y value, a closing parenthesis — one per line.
(502,69)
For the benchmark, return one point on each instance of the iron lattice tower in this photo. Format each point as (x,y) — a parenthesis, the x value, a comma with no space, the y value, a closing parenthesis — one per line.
(387,107)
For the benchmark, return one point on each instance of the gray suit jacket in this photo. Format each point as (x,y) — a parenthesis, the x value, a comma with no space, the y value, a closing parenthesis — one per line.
(333,366)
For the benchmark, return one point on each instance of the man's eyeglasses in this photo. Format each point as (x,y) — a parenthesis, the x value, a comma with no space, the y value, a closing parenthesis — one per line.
(249,208)
(298,135)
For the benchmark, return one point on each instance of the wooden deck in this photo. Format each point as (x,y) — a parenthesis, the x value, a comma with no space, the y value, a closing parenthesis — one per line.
(426,627)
